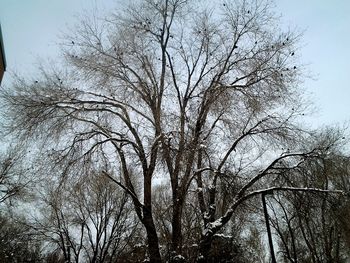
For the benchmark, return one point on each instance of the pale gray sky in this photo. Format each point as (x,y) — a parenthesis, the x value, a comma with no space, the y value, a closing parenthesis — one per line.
(30,29)
(326,51)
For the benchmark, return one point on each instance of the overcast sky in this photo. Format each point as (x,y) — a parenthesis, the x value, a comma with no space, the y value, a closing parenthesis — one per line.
(31,28)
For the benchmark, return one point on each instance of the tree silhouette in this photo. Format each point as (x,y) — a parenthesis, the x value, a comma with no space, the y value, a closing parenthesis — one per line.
(193,97)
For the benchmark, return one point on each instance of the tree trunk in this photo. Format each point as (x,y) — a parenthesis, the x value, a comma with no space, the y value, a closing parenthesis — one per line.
(204,249)
(269,235)
(152,237)
(176,242)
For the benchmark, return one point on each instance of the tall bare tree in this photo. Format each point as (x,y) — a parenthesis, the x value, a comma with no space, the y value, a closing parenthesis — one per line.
(196,96)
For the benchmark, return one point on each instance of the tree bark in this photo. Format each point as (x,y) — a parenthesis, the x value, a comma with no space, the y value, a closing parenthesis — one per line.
(269,235)
(176,242)
(204,249)
(152,237)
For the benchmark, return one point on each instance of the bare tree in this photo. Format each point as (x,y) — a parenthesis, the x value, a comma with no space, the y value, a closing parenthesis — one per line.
(15,177)
(17,244)
(313,223)
(196,95)
(89,221)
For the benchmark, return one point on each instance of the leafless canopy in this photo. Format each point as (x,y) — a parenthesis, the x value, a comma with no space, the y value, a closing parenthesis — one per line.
(174,92)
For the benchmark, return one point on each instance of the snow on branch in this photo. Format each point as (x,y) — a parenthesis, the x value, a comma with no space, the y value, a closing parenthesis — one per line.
(213,227)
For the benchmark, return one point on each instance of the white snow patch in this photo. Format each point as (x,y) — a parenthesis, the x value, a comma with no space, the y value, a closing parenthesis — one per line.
(215,224)
(179,257)
(223,236)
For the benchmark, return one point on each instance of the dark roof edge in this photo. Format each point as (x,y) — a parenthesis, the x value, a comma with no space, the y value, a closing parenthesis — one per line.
(2,49)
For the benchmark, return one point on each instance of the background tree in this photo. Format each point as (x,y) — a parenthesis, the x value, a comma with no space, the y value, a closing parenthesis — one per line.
(312,223)
(15,177)
(17,244)
(87,221)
